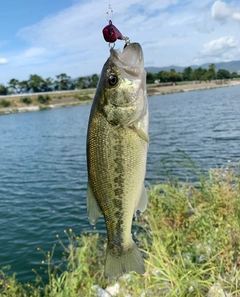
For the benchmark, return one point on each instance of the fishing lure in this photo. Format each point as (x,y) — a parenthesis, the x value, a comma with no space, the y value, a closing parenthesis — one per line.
(111,33)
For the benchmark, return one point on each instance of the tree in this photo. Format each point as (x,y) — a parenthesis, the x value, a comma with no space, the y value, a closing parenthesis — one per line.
(3,90)
(14,85)
(223,74)
(174,76)
(64,82)
(187,73)
(24,86)
(163,76)
(234,75)
(211,74)
(82,82)
(93,81)
(35,83)
(150,78)
(198,74)
(85,82)
(47,85)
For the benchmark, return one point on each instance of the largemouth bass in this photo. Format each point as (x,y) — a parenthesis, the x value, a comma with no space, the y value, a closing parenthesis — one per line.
(117,144)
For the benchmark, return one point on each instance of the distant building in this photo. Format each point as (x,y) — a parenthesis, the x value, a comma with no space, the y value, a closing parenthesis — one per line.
(238,72)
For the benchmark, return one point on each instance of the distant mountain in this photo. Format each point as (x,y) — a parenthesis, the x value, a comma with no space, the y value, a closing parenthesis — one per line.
(232,66)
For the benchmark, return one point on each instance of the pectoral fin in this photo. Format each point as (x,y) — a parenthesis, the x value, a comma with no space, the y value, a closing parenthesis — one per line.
(141,134)
(93,208)
(143,200)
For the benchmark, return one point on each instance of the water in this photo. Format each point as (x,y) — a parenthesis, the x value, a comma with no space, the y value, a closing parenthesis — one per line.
(43,165)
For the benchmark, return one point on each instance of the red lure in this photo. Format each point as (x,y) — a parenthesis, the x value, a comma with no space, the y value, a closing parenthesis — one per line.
(111,33)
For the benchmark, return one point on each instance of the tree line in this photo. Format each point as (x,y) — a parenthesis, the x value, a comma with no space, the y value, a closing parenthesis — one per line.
(36,84)
(63,82)
(188,74)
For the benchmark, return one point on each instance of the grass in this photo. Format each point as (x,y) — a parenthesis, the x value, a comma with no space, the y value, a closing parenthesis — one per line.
(5,103)
(26,100)
(189,235)
(83,96)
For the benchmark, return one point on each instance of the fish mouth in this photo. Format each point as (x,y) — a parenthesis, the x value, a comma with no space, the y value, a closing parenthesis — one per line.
(130,59)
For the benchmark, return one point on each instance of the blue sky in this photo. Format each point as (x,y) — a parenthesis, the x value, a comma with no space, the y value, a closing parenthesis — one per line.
(64,36)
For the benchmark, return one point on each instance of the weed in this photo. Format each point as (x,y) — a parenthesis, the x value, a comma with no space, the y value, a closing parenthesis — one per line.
(5,103)
(26,100)
(83,97)
(43,99)
(44,108)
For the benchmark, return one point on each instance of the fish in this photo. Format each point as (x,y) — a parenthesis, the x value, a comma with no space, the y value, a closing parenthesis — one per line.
(117,146)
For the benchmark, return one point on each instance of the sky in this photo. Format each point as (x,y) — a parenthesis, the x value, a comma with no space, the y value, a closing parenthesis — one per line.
(50,37)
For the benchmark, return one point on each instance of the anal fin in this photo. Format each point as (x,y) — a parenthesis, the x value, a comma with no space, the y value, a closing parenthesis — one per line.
(93,209)
(143,201)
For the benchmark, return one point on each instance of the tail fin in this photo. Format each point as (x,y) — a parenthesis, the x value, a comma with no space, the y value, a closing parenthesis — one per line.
(130,260)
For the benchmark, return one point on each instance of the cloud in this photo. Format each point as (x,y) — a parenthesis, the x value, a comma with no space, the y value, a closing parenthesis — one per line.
(3,61)
(236,16)
(219,48)
(157,5)
(221,12)
(34,52)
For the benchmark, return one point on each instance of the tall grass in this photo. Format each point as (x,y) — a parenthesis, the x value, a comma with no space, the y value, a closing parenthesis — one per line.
(194,236)
(189,236)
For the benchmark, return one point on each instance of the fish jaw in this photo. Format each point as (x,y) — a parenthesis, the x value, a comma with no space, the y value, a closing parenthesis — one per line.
(130,60)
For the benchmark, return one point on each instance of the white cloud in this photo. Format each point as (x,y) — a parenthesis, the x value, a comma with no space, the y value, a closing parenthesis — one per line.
(3,61)
(69,30)
(157,5)
(220,11)
(236,16)
(219,48)
(34,52)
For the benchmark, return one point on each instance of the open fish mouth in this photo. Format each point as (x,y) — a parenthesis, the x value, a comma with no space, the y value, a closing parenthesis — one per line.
(130,59)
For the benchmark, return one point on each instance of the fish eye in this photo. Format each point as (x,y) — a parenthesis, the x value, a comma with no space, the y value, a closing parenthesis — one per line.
(112,80)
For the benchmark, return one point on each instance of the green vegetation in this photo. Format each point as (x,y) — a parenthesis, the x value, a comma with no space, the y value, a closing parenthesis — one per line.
(190,236)
(83,97)
(36,83)
(44,108)
(26,100)
(188,74)
(5,103)
(3,90)
(43,99)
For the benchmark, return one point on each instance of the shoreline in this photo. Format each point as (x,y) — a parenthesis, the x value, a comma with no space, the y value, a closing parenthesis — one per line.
(152,90)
